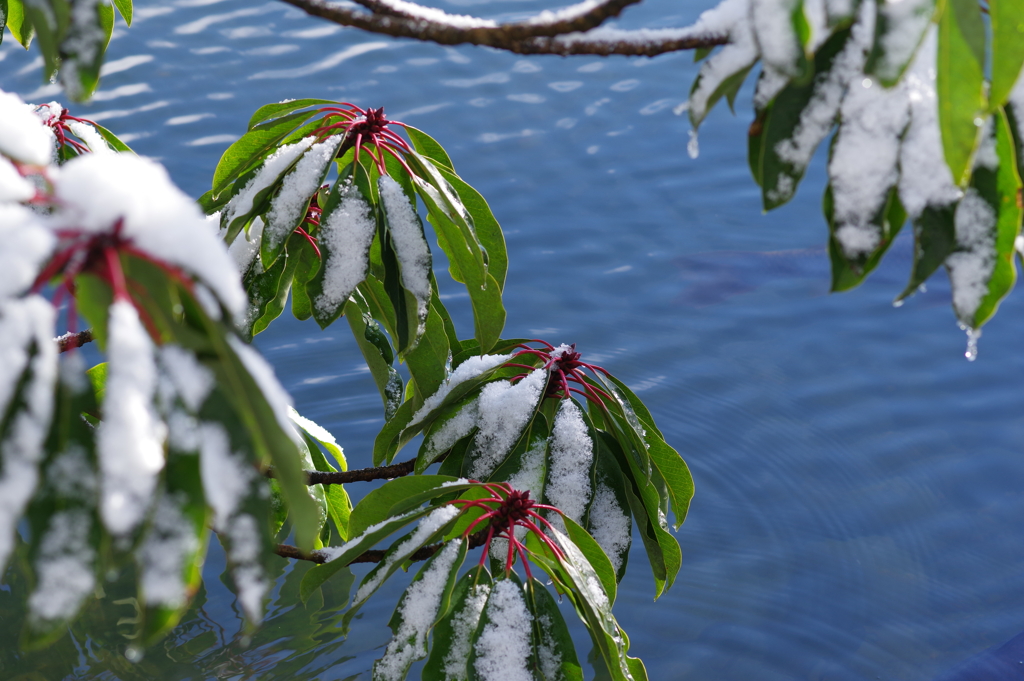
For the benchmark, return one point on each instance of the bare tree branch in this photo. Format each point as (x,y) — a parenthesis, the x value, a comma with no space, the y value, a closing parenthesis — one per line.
(564,33)
(70,341)
(397,470)
(374,555)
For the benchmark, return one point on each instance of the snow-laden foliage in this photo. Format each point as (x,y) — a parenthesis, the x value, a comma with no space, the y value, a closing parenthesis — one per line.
(903,86)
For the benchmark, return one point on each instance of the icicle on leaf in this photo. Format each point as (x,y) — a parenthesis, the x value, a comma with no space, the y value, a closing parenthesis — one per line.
(987,221)
(419,608)
(960,83)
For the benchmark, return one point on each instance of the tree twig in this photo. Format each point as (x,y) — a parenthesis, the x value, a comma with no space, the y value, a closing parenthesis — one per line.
(567,32)
(374,555)
(70,341)
(397,470)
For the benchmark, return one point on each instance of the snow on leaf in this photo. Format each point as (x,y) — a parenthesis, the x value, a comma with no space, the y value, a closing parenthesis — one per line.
(97,190)
(130,439)
(571,455)
(26,350)
(971,265)
(467,371)
(346,236)
(27,245)
(505,643)
(64,567)
(289,205)
(165,552)
(269,173)
(13,187)
(411,246)
(23,137)
(610,525)
(505,409)
(418,611)
(731,17)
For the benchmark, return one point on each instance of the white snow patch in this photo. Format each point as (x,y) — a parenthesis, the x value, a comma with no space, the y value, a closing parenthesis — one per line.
(818,116)
(334,552)
(865,162)
(98,190)
(454,429)
(289,206)
(925,179)
(192,381)
(467,371)
(27,245)
(13,187)
(430,524)
(250,579)
(505,409)
(244,248)
(971,266)
(346,235)
(165,553)
(263,374)
(905,22)
(464,624)
(571,456)
(272,169)
(732,18)
(504,645)
(130,438)
(23,137)
(91,137)
(610,526)
(776,37)
(226,475)
(411,246)
(64,567)
(418,612)
(550,658)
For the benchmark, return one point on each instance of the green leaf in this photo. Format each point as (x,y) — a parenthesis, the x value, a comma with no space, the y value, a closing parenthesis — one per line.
(425,534)
(428,146)
(252,147)
(124,7)
(1007,21)
(1000,188)
(276,300)
(377,354)
(960,83)
(595,555)
(113,140)
(82,48)
(339,505)
(557,659)
(487,228)
(678,481)
(899,30)
(318,574)
(400,496)
(18,24)
(847,272)
(727,86)
(428,361)
(786,129)
(429,452)
(49,20)
(934,240)
(454,633)
(269,112)
(424,603)
(307,267)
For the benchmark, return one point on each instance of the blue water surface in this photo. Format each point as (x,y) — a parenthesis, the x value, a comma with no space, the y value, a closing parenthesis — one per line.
(858,506)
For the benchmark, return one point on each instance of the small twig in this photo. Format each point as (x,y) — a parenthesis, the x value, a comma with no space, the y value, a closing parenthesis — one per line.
(397,470)
(535,36)
(70,341)
(374,555)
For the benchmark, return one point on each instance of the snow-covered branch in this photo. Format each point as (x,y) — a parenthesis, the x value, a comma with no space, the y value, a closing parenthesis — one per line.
(71,340)
(573,30)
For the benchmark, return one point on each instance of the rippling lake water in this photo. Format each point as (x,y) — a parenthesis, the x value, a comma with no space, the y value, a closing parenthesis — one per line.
(858,483)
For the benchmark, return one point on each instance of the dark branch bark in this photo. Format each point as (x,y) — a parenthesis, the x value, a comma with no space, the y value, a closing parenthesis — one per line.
(70,341)
(524,37)
(397,470)
(374,555)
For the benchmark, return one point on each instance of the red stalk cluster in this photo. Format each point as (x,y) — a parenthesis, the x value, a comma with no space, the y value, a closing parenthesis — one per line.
(59,125)
(565,366)
(363,127)
(504,510)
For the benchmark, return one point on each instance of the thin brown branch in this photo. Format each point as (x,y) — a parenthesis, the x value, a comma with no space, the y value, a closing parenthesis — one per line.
(374,555)
(70,341)
(397,470)
(564,37)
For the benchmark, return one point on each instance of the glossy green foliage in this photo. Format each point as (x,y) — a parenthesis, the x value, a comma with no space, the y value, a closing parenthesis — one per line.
(72,39)
(381,273)
(888,81)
